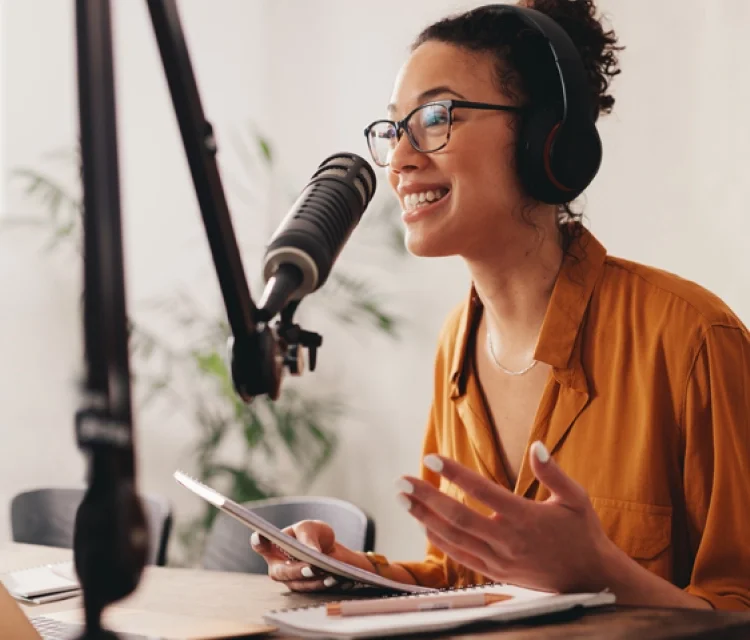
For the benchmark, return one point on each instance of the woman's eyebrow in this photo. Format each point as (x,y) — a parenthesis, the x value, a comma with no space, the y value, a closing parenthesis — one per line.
(429,94)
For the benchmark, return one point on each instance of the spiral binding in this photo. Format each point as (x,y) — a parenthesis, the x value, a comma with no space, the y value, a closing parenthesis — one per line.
(468,587)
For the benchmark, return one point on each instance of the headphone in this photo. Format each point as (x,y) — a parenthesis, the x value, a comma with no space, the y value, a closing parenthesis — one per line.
(559,148)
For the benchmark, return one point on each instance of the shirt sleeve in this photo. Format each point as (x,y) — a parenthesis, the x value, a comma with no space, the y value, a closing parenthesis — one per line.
(717,468)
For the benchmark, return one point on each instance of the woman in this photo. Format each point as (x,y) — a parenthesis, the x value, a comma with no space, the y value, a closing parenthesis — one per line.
(634,380)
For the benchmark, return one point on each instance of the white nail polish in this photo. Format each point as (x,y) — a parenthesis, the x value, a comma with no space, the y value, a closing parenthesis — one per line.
(329,581)
(307,572)
(404,501)
(255,539)
(433,463)
(404,486)
(540,451)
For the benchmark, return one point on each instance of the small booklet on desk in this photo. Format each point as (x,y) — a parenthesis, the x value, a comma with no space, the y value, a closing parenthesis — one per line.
(517,604)
(42,584)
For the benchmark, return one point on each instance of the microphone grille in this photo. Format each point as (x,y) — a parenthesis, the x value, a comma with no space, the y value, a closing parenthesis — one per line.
(354,170)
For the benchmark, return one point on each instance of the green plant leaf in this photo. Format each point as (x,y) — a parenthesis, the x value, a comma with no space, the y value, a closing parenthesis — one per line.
(360,303)
(213,365)
(265,148)
(244,487)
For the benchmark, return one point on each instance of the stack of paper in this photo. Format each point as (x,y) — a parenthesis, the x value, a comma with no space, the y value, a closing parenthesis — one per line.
(45,583)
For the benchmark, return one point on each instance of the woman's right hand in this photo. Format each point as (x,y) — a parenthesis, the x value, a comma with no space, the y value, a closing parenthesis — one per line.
(300,576)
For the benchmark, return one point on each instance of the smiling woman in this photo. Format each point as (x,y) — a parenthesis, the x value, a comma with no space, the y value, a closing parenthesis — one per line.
(590,420)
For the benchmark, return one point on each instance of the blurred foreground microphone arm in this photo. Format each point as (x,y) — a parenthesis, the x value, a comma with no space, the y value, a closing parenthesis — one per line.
(110,539)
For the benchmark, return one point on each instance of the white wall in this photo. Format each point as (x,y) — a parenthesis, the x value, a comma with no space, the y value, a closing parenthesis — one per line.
(313,73)
(165,246)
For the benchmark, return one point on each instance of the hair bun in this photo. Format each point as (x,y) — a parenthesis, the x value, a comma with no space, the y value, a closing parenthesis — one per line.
(598,48)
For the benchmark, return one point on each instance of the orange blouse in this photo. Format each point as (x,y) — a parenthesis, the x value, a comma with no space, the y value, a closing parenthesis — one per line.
(647,407)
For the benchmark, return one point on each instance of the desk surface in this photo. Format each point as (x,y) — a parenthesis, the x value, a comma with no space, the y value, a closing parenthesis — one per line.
(246,598)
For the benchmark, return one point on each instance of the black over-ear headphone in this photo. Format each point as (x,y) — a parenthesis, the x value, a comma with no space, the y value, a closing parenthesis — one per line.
(559,149)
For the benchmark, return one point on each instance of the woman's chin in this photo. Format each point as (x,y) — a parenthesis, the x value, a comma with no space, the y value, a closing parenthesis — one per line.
(425,245)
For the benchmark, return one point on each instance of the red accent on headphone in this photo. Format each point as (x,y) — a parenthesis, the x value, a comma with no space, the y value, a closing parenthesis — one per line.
(547,163)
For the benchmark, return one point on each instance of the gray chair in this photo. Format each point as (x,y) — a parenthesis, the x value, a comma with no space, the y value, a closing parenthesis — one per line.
(47,517)
(228,542)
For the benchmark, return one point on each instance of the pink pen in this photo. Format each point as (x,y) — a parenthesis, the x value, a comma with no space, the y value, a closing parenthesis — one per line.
(410,604)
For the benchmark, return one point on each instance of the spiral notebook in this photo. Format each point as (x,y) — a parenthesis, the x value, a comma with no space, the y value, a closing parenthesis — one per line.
(291,546)
(523,604)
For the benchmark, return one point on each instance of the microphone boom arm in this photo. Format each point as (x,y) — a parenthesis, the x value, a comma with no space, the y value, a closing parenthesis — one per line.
(200,148)
(257,355)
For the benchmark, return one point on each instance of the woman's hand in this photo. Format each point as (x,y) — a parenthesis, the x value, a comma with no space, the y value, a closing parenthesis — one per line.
(555,545)
(300,576)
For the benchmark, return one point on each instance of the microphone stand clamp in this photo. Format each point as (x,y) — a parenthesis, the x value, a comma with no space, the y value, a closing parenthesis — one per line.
(258,360)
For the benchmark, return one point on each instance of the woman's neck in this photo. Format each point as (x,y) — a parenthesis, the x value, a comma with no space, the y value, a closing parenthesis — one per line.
(515,289)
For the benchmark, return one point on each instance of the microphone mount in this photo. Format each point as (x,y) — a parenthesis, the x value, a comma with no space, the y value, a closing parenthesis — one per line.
(295,338)
(257,363)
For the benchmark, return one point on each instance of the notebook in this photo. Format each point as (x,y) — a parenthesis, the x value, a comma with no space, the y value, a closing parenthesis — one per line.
(44,583)
(291,546)
(313,622)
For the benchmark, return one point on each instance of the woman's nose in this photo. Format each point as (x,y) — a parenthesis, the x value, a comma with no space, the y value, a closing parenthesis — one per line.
(404,156)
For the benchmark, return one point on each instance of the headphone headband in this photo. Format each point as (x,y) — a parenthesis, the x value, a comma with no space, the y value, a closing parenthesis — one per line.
(559,146)
(574,92)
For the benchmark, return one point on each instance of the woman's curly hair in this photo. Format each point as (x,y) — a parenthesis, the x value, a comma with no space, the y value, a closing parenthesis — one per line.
(597,46)
(522,71)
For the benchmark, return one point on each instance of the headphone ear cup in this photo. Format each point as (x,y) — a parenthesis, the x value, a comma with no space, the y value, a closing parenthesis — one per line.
(575,156)
(555,162)
(535,140)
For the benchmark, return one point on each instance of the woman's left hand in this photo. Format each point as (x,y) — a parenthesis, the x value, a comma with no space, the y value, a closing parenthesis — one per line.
(555,545)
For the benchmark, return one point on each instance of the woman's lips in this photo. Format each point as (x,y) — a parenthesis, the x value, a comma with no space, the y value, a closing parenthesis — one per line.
(425,210)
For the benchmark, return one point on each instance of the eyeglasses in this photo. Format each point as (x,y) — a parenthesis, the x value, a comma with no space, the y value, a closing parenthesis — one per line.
(428,128)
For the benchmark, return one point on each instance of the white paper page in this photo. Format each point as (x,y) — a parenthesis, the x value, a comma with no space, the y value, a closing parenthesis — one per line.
(314,621)
(43,580)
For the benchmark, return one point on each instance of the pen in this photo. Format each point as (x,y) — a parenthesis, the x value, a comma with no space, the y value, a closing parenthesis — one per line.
(410,604)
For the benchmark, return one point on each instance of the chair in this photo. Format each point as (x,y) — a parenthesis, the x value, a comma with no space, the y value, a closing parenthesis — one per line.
(47,517)
(228,543)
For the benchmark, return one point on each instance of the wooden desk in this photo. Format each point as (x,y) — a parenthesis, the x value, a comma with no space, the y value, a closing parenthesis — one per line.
(243,597)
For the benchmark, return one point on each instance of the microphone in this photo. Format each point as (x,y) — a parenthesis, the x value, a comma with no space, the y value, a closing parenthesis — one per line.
(302,251)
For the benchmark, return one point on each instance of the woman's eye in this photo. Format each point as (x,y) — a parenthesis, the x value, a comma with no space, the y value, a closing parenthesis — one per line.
(434,117)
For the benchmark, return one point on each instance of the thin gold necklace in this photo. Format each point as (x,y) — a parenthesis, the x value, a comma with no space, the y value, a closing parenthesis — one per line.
(501,367)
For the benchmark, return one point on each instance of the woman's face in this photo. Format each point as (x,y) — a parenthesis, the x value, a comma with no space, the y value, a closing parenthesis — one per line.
(479,213)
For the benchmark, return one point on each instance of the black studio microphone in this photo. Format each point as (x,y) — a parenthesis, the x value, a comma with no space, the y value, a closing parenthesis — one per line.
(302,251)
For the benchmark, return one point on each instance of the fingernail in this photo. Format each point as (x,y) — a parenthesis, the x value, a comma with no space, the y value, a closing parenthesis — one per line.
(404,486)
(540,451)
(255,539)
(433,463)
(307,572)
(404,501)
(329,581)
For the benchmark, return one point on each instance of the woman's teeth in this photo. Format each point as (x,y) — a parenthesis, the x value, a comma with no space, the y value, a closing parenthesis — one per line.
(414,200)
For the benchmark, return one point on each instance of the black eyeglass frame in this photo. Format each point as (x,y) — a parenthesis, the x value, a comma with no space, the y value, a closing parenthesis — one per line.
(401,126)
